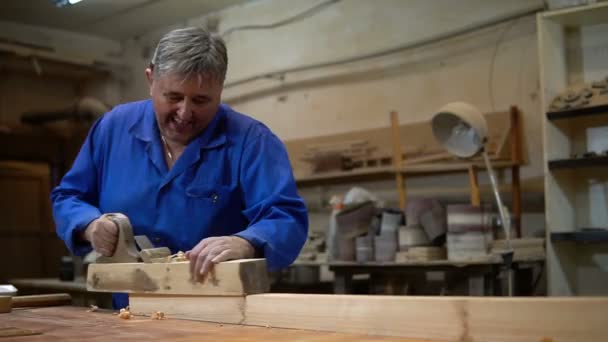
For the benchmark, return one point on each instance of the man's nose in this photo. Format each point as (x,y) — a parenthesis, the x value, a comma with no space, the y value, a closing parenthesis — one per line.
(184,110)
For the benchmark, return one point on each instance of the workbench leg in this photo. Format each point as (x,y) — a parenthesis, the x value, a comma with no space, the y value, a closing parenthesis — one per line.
(477,285)
(343,282)
(495,281)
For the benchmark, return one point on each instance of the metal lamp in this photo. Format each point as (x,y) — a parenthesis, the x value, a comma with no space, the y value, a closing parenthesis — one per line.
(462,130)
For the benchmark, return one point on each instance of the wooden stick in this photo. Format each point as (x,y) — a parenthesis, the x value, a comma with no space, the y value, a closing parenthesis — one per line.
(474,184)
(398,159)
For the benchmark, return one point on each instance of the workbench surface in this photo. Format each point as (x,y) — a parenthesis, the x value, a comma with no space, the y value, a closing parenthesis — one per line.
(69,323)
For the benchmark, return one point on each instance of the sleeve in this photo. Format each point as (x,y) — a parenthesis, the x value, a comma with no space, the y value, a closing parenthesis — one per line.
(278,219)
(75,199)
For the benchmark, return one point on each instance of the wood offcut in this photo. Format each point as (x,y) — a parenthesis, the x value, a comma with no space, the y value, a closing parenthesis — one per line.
(230,278)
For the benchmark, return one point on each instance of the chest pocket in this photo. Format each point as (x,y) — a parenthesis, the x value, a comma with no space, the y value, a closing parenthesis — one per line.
(217,195)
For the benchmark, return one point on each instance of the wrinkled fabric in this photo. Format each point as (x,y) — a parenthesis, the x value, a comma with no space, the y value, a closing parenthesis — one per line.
(233,179)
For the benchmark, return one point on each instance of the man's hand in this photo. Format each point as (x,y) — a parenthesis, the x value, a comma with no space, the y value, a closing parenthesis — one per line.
(103,235)
(212,250)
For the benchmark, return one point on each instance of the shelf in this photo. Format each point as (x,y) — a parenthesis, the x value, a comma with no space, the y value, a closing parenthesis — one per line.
(579,112)
(585,236)
(378,173)
(578,163)
(580,15)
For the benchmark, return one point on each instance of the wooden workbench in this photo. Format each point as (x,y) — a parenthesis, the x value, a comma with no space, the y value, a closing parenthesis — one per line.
(69,323)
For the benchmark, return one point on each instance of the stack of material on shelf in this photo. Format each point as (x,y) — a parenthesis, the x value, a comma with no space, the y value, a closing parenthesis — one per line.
(582,95)
(385,244)
(421,254)
(338,156)
(430,215)
(365,248)
(412,235)
(469,232)
(351,222)
(315,244)
(525,248)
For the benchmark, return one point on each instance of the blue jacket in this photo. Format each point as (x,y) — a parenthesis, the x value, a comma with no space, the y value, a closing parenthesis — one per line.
(233,179)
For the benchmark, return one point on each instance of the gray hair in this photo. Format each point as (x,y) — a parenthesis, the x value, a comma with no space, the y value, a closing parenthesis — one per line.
(191,51)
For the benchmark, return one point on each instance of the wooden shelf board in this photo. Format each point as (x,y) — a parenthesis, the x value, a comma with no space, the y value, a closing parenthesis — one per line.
(388,171)
(581,236)
(579,112)
(579,16)
(578,163)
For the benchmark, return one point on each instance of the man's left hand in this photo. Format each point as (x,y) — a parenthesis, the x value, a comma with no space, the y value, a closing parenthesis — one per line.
(212,250)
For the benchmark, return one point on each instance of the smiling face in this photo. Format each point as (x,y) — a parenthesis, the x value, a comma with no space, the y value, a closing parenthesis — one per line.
(184,107)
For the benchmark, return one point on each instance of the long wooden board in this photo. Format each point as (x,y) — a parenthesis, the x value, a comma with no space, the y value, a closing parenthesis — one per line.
(220,309)
(75,324)
(230,278)
(469,319)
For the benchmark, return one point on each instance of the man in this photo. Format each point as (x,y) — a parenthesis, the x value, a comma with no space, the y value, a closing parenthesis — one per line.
(190,173)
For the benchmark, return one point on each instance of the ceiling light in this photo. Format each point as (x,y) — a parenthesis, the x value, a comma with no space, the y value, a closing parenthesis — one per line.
(63,3)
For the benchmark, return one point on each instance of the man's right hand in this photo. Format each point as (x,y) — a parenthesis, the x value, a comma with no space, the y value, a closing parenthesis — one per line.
(103,235)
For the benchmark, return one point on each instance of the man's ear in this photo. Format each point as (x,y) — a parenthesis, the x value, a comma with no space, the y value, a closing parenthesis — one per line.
(150,78)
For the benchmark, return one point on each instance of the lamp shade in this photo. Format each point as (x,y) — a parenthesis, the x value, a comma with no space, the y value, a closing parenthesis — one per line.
(460,128)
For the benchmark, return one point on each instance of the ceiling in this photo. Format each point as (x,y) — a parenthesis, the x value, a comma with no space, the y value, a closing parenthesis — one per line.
(115,19)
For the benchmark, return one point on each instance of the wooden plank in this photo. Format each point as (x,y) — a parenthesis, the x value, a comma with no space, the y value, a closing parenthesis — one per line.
(220,309)
(398,159)
(474,185)
(76,324)
(438,318)
(230,278)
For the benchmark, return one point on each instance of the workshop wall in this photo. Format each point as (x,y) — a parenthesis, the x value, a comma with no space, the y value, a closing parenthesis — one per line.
(44,69)
(493,68)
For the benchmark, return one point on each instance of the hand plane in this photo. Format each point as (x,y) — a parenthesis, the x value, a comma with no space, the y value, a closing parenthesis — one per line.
(126,245)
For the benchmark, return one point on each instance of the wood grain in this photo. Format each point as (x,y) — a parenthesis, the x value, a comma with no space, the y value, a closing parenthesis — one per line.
(230,278)
(76,324)
(437,318)
(220,309)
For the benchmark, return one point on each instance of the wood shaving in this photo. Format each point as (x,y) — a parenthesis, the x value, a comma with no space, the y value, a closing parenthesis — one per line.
(125,313)
(93,308)
(179,256)
(158,315)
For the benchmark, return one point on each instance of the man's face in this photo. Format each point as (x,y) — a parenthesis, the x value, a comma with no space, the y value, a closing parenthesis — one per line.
(184,107)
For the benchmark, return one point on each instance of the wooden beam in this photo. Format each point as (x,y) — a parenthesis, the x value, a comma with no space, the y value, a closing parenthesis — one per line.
(441,318)
(230,278)
(430,318)
(221,309)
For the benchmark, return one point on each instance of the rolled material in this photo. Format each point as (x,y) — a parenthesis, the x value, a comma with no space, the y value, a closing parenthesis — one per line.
(412,236)
(385,247)
(391,220)
(469,231)
(365,248)
(430,214)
